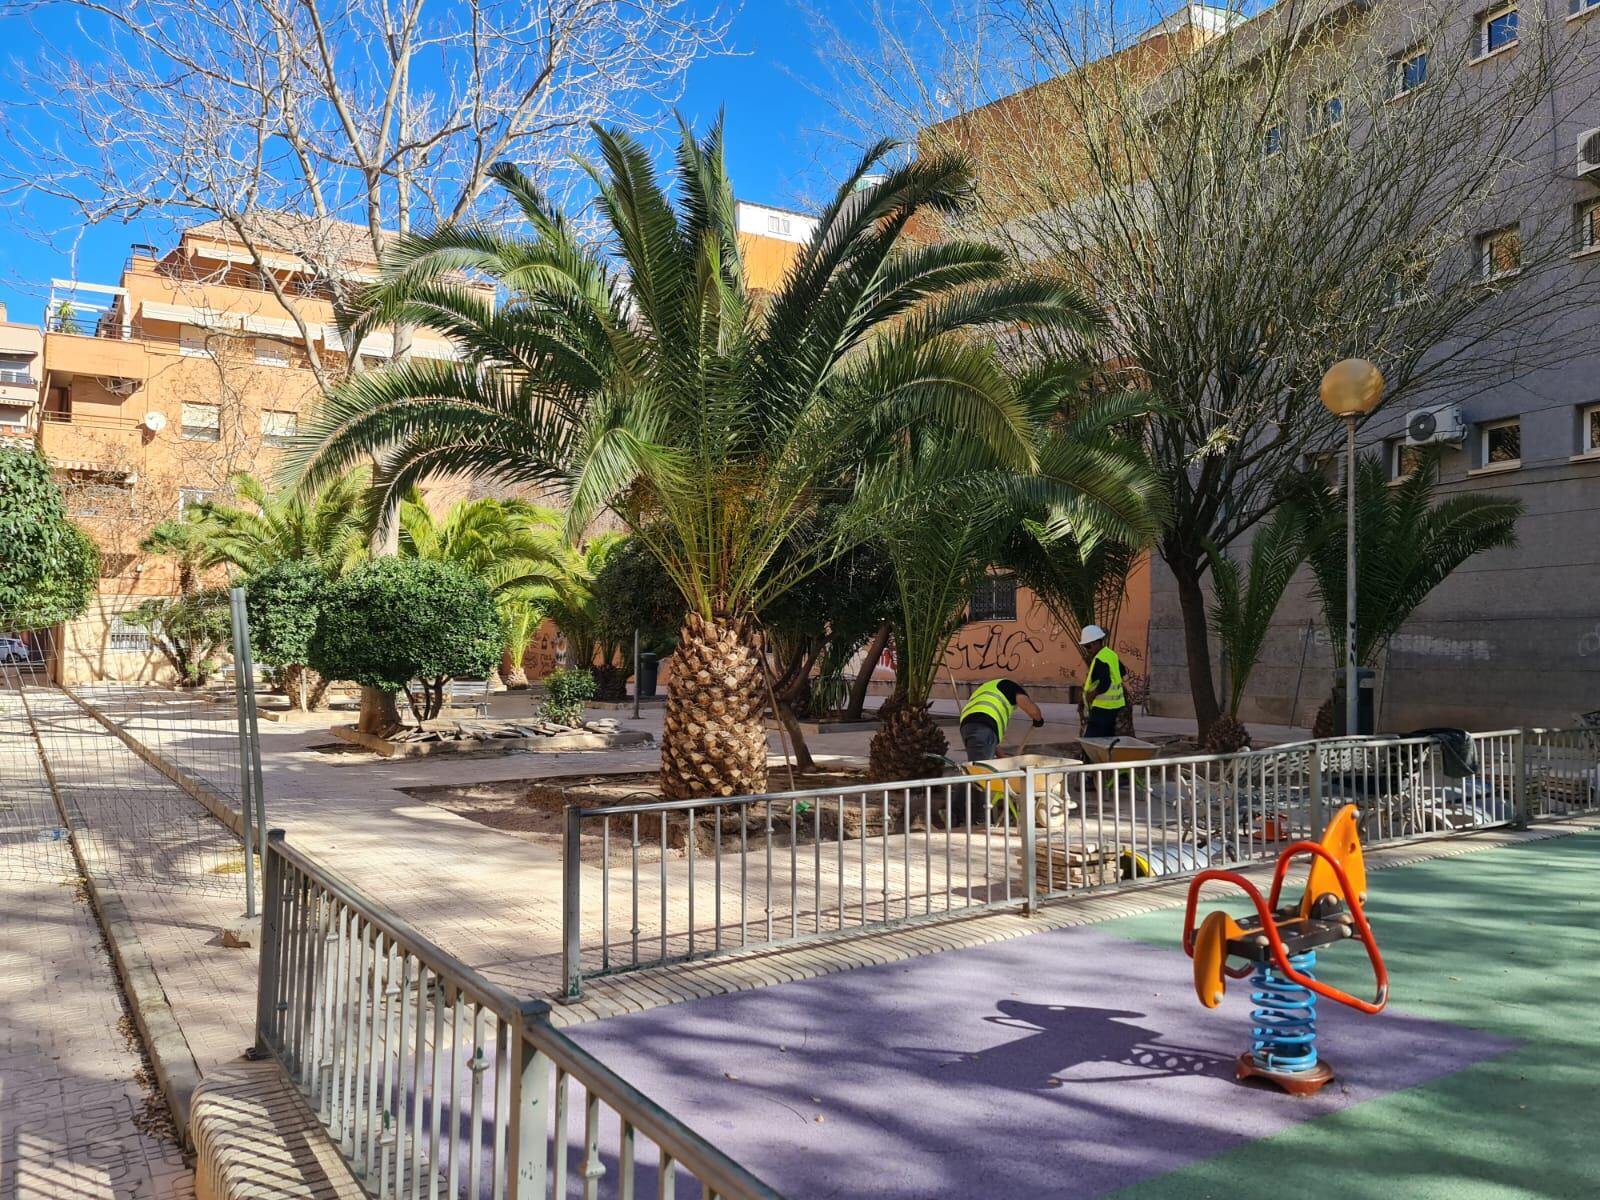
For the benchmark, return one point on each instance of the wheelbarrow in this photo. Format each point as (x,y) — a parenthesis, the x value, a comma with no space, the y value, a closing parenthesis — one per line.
(1049,801)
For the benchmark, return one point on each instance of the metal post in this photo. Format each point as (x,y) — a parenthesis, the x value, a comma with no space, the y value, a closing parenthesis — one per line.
(528,1138)
(1519,780)
(1352,708)
(267,973)
(1319,818)
(246,776)
(635,672)
(252,723)
(1030,861)
(571,896)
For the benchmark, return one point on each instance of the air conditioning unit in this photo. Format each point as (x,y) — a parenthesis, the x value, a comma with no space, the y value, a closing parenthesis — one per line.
(119,385)
(1589,154)
(1431,426)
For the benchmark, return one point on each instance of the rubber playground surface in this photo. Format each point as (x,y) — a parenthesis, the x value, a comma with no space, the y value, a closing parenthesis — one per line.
(1077,1063)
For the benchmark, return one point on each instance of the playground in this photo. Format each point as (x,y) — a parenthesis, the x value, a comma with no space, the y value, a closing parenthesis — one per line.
(1078,1062)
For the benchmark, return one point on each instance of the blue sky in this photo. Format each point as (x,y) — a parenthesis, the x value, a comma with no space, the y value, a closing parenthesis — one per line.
(778,150)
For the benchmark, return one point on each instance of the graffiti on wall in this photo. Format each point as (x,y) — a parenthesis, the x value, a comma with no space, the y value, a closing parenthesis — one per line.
(1034,647)
(992,648)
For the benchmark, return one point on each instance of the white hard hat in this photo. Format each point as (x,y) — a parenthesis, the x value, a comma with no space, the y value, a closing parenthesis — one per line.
(1091,633)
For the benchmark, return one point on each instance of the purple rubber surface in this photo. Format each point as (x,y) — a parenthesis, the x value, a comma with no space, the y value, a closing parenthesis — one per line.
(1068,1063)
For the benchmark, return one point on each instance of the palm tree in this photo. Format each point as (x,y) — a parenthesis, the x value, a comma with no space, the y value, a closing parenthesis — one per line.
(329,527)
(1090,482)
(1409,541)
(642,375)
(1241,614)
(190,541)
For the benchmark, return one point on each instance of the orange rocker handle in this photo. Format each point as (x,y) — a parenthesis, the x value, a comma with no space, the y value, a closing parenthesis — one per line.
(1270,927)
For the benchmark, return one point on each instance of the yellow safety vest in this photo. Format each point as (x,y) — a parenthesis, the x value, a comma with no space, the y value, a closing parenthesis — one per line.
(1112,696)
(989,700)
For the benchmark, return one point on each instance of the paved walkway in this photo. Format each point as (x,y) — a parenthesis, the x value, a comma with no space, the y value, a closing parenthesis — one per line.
(79,1119)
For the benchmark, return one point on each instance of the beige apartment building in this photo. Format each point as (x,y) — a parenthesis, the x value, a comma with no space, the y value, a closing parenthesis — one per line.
(149,394)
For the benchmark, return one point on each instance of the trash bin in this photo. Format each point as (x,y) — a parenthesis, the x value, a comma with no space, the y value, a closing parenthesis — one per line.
(645,685)
(1366,681)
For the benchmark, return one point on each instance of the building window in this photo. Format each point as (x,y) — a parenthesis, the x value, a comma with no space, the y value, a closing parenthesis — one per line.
(1403,458)
(192,341)
(1500,252)
(994,598)
(1589,430)
(1325,113)
(12,418)
(1409,284)
(1500,443)
(1497,29)
(279,428)
(16,370)
(1578,7)
(202,422)
(1586,223)
(1410,71)
(1272,141)
(778,225)
(270,352)
(128,639)
(188,497)
(89,499)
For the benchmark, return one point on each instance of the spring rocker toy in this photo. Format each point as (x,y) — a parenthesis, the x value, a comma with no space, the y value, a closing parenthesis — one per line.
(1279,949)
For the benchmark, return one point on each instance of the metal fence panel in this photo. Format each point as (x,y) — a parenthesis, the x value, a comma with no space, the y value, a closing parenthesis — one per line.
(435,1082)
(661,882)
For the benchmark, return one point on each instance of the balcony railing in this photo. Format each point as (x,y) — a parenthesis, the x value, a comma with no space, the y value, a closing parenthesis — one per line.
(90,421)
(18,378)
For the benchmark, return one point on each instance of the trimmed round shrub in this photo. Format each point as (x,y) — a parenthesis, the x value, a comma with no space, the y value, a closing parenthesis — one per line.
(566,692)
(396,619)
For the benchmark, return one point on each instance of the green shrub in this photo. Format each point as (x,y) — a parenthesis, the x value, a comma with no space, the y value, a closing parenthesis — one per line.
(48,566)
(284,602)
(190,631)
(396,619)
(566,691)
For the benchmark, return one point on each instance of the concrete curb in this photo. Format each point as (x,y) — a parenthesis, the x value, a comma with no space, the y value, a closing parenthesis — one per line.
(177,1073)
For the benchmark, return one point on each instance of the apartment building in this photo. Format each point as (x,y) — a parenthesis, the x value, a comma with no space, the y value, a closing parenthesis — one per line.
(149,394)
(1513,635)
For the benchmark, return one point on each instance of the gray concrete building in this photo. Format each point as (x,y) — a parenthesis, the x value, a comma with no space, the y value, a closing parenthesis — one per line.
(1513,636)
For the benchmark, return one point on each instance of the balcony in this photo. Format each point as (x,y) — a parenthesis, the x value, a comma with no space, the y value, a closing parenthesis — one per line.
(67,353)
(109,445)
(18,389)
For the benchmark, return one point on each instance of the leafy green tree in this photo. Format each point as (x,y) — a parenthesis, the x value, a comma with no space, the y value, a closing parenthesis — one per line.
(640,373)
(633,592)
(190,631)
(566,692)
(396,619)
(1409,540)
(1090,482)
(48,566)
(1246,597)
(284,602)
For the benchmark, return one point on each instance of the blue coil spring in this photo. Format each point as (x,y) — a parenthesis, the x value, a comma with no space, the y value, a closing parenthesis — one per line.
(1283,1028)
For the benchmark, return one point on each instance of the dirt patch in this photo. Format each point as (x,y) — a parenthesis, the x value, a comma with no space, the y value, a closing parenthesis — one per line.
(534,810)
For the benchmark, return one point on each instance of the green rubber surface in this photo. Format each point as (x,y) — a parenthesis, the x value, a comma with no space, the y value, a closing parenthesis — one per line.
(1505,940)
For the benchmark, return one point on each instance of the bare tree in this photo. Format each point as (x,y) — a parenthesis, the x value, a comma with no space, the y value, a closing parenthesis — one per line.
(1251,200)
(322,128)
(311,132)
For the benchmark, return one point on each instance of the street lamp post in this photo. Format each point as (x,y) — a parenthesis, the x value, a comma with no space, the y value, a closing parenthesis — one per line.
(1350,390)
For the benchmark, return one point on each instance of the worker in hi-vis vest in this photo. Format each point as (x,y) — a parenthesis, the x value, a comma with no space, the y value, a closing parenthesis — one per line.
(1103,696)
(987,712)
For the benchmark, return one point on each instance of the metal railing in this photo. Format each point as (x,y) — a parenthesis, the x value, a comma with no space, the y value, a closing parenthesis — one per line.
(654,883)
(433,1081)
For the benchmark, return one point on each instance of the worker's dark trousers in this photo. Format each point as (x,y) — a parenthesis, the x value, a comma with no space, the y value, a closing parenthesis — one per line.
(982,741)
(1102,722)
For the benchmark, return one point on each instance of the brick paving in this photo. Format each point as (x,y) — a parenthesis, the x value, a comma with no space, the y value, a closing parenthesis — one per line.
(74,1112)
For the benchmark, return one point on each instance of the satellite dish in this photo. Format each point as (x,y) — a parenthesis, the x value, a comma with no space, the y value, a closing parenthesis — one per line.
(154,422)
(1422,426)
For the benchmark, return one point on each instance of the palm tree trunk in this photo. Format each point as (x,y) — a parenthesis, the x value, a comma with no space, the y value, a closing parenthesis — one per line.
(714,740)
